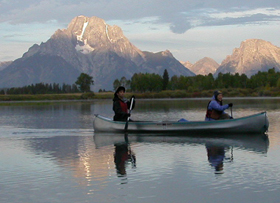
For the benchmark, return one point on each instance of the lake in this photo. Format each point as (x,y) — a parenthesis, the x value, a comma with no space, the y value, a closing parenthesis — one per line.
(50,154)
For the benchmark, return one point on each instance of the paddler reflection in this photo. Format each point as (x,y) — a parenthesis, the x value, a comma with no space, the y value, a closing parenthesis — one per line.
(216,156)
(123,156)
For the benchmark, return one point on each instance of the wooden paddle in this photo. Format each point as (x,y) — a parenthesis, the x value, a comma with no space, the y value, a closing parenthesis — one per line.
(129,111)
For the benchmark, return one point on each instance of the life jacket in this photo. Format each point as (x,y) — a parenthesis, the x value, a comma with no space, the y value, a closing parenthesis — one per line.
(214,114)
(123,106)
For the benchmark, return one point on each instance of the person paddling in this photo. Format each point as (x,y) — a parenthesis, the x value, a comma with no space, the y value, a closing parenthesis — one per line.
(120,105)
(215,108)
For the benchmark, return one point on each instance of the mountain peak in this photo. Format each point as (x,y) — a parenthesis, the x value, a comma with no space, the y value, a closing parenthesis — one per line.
(204,66)
(252,56)
(167,53)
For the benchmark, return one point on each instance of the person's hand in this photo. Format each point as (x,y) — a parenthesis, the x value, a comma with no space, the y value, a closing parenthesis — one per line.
(230,104)
(128,115)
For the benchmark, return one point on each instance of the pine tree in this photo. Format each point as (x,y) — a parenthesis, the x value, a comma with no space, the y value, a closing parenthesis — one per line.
(165,79)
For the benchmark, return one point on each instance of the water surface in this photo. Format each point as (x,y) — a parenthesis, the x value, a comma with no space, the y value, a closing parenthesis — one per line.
(50,153)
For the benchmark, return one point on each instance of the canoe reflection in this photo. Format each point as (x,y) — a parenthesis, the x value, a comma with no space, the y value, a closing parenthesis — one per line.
(218,149)
(122,156)
(255,143)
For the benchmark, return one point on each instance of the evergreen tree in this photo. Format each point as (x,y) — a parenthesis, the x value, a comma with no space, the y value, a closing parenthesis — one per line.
(165,79)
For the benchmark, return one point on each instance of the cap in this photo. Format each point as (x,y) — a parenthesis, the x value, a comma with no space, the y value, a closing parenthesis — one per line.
(216,93)
(119,89)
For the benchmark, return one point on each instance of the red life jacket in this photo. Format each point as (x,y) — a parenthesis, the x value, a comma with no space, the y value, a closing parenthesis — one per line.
(123,106)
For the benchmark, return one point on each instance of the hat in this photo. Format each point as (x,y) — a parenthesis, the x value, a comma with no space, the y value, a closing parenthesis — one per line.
(216,93)
(119,89)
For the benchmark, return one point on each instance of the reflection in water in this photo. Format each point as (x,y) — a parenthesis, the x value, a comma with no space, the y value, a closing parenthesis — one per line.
(219,149)
(122,156)
(216,156)
(92,162)
(216,151)
(78,154)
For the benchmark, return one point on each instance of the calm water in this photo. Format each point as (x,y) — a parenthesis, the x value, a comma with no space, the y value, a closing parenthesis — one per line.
(50,153)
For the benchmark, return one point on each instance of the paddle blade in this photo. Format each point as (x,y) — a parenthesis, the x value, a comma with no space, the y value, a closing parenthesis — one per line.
(130,108)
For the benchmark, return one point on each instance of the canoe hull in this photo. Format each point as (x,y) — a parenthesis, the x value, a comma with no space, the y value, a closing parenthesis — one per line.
(257,123)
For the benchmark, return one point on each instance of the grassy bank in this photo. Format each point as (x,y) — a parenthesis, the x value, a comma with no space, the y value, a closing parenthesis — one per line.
(162,94)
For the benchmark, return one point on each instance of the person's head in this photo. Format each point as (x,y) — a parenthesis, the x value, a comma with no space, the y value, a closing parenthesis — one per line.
(120,92)
(219,168)
(218,95)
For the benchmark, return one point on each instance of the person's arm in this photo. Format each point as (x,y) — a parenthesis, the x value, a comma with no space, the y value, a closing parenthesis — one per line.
(215,105)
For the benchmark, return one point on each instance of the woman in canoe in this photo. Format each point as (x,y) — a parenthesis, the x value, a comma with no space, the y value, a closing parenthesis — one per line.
(215,108)
(121,105)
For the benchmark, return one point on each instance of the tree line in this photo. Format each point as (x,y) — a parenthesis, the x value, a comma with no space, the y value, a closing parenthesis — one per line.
(42,88)
(151,82)
(82,84)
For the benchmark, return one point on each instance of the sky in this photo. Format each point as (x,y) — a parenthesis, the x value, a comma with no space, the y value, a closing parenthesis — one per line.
(189,29)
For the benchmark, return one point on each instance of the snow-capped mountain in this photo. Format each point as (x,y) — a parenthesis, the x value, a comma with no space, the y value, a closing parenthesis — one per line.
(91,46)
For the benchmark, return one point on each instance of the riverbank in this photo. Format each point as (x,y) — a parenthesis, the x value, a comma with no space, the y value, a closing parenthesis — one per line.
(147,95)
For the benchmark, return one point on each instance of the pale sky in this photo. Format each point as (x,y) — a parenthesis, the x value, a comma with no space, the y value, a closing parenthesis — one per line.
(190,29)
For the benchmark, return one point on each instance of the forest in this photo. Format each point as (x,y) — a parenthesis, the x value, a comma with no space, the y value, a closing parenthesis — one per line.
(42,88)
(260,84)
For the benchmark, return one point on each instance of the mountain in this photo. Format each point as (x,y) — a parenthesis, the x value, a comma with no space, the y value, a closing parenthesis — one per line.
(187,64)
(91,46)
(204,66)
(38,68)
(252,56)
(4,64)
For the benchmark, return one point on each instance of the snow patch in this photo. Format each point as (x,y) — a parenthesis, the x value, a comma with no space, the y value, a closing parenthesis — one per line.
(84,49)
(82,45)
(108,34)
(80,37)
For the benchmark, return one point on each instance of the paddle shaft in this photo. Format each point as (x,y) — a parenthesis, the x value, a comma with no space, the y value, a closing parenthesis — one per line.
(131,104)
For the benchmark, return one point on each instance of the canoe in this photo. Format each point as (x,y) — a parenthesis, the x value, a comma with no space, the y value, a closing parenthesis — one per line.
(257,123)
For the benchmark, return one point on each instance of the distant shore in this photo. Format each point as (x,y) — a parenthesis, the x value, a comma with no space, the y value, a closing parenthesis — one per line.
(147,95)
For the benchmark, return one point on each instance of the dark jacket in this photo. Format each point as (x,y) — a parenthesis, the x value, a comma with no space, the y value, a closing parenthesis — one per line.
(120,108)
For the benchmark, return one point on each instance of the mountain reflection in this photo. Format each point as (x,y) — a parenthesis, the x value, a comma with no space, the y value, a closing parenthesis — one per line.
(78,154)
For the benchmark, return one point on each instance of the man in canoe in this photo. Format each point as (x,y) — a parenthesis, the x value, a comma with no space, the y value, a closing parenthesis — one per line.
(215,108)
(121,105)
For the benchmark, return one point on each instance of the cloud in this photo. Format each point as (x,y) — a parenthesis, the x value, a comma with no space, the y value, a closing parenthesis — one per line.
(37,20)
(180,15)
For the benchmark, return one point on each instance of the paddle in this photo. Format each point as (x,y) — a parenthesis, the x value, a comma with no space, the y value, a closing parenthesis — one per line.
(129,111)
(132,157)
(231,112)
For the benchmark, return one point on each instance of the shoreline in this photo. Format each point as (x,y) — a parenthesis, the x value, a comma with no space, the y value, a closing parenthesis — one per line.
(168,94)
(47,102)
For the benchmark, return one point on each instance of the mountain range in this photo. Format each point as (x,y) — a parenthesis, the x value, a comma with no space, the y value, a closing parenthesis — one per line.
(89,45)
(252,56)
